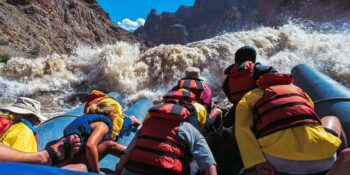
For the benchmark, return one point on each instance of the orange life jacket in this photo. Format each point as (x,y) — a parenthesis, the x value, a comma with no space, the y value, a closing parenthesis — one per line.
(195,86)
(160,151)
(240,82)
(282,106)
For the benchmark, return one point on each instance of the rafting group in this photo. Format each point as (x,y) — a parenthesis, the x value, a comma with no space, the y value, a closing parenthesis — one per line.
(271,128)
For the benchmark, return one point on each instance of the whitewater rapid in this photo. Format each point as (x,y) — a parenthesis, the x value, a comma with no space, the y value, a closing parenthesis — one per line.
(122,67)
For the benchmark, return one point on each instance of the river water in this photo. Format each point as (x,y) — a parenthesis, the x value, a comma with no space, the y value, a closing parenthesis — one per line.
(122,67)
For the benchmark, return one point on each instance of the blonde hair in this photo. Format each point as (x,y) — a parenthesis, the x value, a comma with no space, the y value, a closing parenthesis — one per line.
(107,107)
(104,108)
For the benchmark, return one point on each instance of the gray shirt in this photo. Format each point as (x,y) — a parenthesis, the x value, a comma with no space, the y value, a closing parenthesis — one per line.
(196,142)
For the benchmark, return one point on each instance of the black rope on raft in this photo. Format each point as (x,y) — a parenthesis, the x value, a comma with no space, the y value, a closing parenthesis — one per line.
(332,99)
(63,115)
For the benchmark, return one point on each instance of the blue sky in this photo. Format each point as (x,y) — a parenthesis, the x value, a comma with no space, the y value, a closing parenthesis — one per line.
(130,14)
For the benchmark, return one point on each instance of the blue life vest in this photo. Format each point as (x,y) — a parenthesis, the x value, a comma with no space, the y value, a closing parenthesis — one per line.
(81,126)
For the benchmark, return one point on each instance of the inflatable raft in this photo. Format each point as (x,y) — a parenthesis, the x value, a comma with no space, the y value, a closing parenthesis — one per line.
(329,96)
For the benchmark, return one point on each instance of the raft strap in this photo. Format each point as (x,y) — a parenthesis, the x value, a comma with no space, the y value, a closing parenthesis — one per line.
(332,99)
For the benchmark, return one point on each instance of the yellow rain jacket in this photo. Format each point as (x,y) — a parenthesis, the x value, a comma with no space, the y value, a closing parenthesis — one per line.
(201,115)
(20,137)
(305,142)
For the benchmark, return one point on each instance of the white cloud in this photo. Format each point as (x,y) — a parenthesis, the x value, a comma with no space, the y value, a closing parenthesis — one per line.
(131,25)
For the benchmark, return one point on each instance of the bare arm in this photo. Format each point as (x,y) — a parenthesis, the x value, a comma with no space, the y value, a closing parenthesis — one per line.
(265,168)
(99,129)
(135,121)
(210,170)
(123,159)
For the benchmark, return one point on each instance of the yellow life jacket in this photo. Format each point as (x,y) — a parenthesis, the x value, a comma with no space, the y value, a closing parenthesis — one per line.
(201,115)
(20,137)
(119,118)
(96,97)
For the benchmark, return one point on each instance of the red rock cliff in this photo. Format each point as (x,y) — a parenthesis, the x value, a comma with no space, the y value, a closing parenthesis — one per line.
(40,27)
(208,18)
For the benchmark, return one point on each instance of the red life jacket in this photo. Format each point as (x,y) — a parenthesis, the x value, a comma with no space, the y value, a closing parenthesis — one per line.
(158,149)
(282,106)
(195,86)
(241,82)
(5,124)
(180,96)
(186,99)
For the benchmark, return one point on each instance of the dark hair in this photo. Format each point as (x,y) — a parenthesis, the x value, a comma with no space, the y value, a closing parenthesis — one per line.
(245,53)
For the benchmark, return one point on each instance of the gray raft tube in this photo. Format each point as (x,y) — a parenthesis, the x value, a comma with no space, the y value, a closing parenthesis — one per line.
(329,96)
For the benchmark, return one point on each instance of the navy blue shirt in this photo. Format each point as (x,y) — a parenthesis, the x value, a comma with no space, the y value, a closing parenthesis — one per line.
(81,126)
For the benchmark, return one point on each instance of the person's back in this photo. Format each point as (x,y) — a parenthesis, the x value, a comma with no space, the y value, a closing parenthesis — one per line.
(21,117)
(21,136)
(240,80)
(166,144)
(122,123)
(199,117)
(155,146)
(82,127)
(192,81)
(277,129)
(242,77)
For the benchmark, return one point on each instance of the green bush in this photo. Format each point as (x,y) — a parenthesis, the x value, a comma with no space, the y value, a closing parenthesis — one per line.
(4,58)
(3,42)
(34,53)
